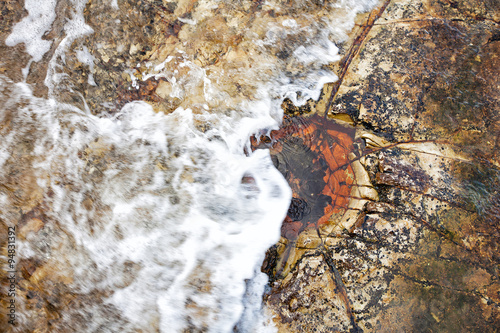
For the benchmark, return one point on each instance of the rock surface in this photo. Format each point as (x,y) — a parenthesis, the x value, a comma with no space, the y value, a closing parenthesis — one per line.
(419,84)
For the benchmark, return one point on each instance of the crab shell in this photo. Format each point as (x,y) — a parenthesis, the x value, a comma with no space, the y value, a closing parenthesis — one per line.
(312,153)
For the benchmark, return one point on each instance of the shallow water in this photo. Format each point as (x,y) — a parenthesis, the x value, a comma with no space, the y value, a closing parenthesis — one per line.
(152,216)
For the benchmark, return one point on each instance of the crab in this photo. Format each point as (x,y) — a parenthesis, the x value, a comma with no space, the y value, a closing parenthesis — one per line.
(320,159)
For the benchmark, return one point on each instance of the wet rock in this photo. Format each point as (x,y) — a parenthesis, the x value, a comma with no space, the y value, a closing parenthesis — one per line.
(308,296)
(417,85)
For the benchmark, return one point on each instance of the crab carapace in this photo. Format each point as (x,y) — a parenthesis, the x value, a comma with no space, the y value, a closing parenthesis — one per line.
(312,154)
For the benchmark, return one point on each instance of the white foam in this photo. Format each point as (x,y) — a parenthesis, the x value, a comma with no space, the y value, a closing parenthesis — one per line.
(219,231)
(187,21)
(75,27)
(290,23)
(41,14)
(254,318)
(86,58)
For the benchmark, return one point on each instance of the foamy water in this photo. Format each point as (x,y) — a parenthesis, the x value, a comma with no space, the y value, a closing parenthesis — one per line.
(162,214)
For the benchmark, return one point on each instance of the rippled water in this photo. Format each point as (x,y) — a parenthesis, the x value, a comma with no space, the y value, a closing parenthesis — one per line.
(155,218)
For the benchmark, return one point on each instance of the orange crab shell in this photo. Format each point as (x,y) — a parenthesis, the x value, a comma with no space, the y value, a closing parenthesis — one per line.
(323,146)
